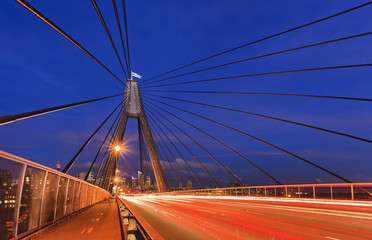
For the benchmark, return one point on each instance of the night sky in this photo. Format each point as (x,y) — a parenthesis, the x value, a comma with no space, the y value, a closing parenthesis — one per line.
(39,68)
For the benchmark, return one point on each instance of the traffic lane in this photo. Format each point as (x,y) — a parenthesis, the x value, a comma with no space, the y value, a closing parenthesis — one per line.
(101,221)
(230,218)
(168,227)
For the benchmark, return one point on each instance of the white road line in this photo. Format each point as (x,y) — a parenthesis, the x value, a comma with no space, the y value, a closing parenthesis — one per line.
(90,230)
(206,211)
(83,231)
(169,214)
(332,238)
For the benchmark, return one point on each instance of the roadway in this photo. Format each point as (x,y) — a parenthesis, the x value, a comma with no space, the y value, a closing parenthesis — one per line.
(188,217)
(100,221)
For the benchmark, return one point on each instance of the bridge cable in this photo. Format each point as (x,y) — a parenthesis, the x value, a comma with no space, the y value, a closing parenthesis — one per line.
(265,38)
(179,140)
(266,116)
(121,34)
(164,166)
(111,162)
(126,32)
(108,147)
(229,148)
(108,34)
(260,140)
(232,175)
(72,161)
(100,148)
(192,139)
(166,156)
(143,154)
(147,164)
(166,145)
(167,169)
(59,30)
(12,118)
(262,56)
(108,169)
(263,94)
(264,74)
(179,153)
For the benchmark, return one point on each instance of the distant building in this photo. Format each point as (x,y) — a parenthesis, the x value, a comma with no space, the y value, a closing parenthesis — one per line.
(141,180)
(134,183)
(234,184)
(148,183)
(7,203)
(82,176)
(188,185)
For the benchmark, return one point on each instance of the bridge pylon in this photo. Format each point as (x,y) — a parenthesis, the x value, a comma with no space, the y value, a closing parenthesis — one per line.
(133,108)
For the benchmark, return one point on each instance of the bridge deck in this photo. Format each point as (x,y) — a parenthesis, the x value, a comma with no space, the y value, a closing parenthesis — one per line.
(98,222)
(188,217)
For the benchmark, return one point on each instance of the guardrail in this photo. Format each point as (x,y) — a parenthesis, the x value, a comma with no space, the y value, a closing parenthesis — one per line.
(336,191)
(134,227)
(33,196)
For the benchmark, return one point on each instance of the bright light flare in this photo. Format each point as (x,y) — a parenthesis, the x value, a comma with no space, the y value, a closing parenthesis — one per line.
(117,148)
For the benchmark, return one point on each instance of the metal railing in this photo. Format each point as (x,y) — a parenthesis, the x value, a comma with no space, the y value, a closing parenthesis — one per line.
(33,196)
(336,191)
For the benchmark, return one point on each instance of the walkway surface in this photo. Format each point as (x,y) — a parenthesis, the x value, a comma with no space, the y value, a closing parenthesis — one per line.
(98,222)
(187,217)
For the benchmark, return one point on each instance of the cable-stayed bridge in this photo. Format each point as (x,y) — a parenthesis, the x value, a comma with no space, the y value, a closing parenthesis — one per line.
(218,163)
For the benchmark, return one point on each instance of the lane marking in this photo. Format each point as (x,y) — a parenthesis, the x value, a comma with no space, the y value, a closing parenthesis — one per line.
(97,219)
(169,214)
(206,211)
(332,238)
(83,231)
(90,230)
(93,220)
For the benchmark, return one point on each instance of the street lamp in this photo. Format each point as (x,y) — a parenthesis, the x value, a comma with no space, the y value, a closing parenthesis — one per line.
(117,148)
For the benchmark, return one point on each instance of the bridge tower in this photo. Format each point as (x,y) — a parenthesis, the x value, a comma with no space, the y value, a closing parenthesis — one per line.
(133,108)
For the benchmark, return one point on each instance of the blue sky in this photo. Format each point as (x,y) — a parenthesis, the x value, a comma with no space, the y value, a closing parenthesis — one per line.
(39,68)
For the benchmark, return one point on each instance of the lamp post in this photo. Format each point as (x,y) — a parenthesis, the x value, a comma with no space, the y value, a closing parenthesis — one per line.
(116,179)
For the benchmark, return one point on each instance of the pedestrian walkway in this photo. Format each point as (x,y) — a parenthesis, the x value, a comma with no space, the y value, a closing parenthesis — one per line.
(98,222)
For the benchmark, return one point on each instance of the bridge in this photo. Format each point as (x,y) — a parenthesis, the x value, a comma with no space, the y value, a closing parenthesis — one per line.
(268,139)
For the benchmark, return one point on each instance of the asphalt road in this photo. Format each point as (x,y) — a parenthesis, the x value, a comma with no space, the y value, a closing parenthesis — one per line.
(229,218)
(101,221)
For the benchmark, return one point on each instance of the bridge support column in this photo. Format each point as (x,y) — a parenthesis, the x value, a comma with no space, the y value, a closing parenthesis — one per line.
(133,108)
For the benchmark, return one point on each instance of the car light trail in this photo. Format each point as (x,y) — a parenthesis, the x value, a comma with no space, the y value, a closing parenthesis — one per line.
(221,217)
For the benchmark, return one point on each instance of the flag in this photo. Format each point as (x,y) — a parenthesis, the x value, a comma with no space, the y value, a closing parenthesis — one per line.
(136,75)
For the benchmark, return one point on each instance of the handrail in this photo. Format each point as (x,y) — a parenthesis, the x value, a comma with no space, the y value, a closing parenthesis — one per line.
(34,196)
(353,191)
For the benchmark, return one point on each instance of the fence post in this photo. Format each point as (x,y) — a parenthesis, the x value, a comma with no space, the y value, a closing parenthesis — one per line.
(286,192)
(314,192)
(352,192)
(65,202)
(331,192)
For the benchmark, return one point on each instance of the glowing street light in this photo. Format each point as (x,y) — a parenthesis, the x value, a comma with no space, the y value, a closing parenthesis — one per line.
(116,179)
(117,148)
